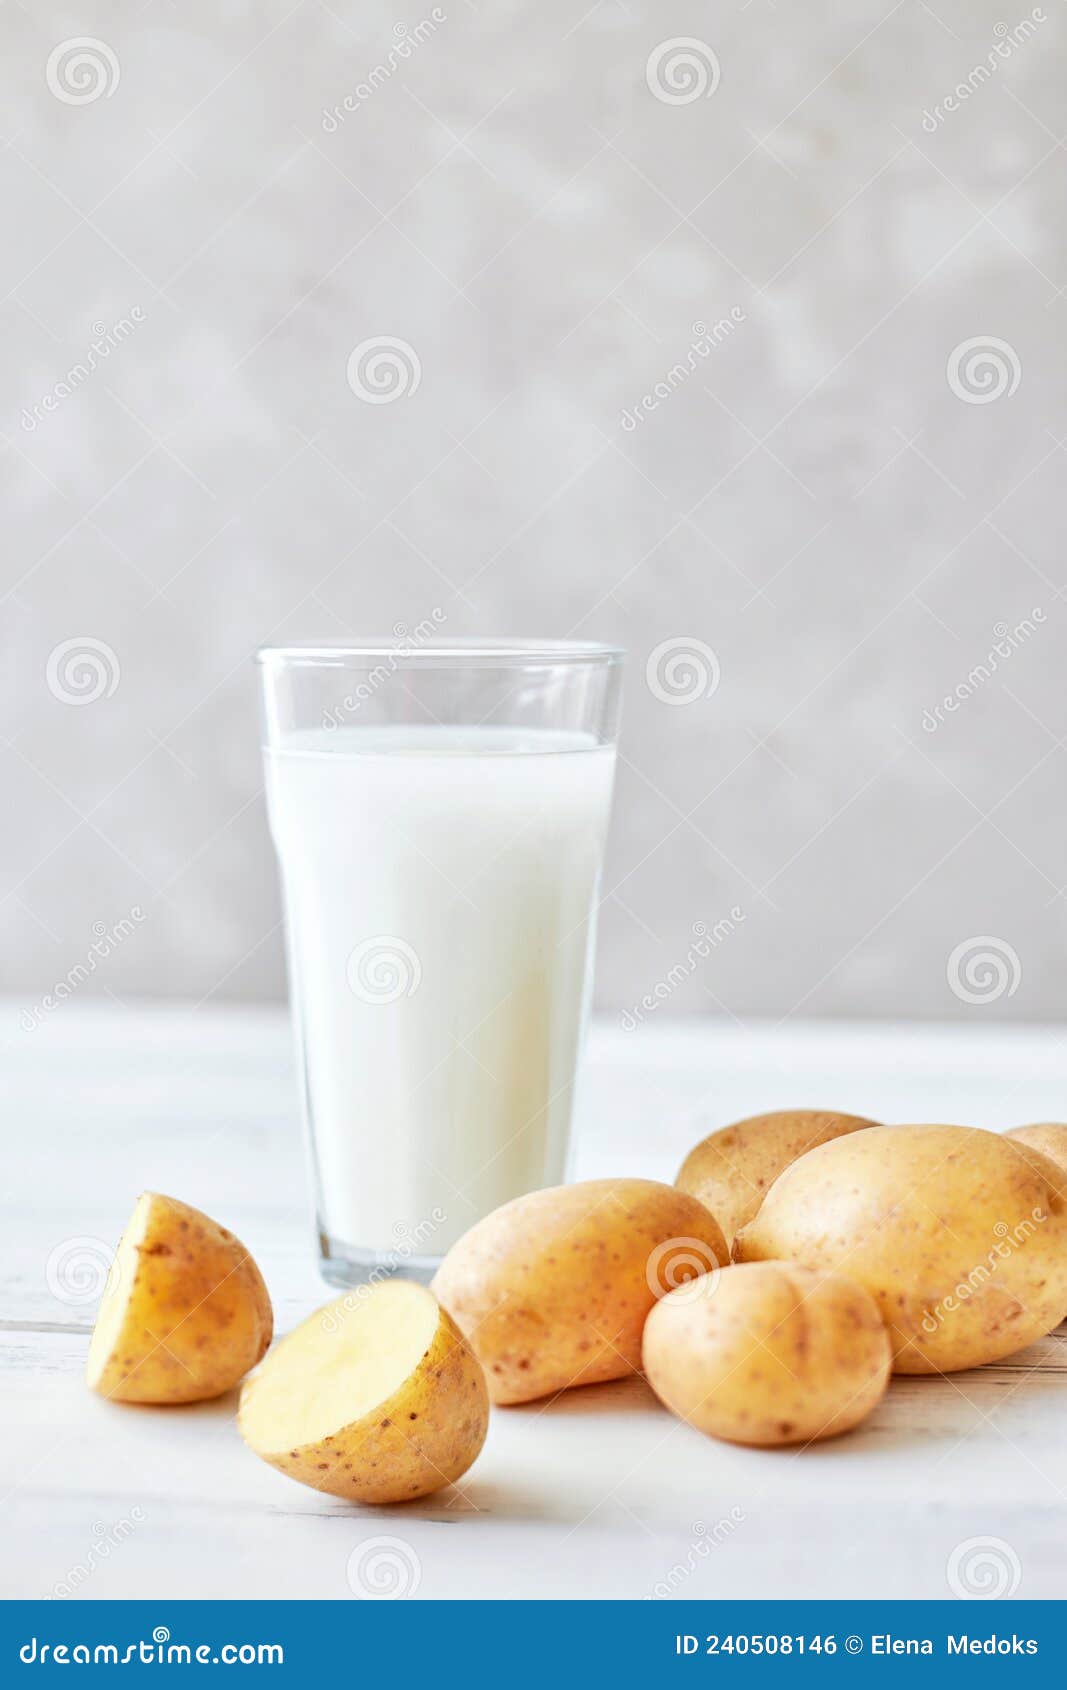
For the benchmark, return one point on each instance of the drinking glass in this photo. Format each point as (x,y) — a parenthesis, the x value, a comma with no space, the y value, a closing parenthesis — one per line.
(439,812)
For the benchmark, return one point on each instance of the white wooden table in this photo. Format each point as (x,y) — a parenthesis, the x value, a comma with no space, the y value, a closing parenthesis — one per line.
(601,1494)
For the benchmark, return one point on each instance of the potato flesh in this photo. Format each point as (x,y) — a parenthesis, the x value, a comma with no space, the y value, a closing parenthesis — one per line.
(423,1433)
(348,1360)
(115,1303)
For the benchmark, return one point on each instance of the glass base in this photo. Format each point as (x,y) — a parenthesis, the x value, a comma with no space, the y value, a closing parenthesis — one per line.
(343,1265)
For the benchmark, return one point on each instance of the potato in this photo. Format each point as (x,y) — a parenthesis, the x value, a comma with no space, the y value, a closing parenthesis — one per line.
(959,1235)
(768,1353)
(1048,1137)
(552,1289)
(731,1169)
(185,1313)
(376,1398)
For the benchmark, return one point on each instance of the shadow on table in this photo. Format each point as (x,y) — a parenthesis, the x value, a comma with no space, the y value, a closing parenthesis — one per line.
(617,1396)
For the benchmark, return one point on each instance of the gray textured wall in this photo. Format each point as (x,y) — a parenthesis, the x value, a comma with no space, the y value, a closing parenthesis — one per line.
(833,493)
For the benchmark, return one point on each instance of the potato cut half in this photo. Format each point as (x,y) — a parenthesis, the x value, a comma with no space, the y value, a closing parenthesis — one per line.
(377,1397)
(185,1313)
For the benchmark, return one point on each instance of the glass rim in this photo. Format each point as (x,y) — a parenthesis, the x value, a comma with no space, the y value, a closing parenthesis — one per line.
(444,654)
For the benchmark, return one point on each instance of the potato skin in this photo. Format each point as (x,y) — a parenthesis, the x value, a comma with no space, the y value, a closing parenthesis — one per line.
(731,1170)
(553,1289)
(768,1353)
(423,1437)
(199,1315)
(1048,1137)
(960,1235)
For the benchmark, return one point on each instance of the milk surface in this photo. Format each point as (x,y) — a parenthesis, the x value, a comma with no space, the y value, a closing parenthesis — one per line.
(440,888)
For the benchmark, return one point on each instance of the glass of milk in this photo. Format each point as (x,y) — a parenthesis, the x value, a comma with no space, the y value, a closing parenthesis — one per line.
(439,813)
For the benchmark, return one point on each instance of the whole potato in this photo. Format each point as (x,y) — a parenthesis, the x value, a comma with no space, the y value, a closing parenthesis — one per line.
(959,1234)
(731,1170)
(375,1398)
(552,1290)
(768,1353)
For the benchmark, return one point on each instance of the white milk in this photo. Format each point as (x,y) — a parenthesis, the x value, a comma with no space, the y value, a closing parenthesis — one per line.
(440,888)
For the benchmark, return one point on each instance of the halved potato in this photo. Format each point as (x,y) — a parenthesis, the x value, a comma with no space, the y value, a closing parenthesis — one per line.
(185,1313)
(377,1397)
